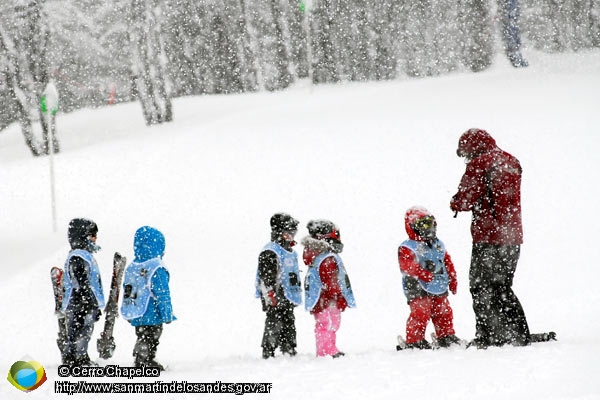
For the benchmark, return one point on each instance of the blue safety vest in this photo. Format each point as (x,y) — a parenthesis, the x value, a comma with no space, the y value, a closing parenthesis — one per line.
(289,273)
(94,273)
(137,287)
(435,254)
(313,284)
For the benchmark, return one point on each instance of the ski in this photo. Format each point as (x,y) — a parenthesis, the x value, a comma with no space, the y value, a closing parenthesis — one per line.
(106,342)
(434,341)
(543,337)
(56,274)
(401,343)
(533,338)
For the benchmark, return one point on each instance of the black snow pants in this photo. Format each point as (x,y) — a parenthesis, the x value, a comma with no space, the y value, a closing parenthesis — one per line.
(499,316)
(280,330)
(80,325)
(147,341)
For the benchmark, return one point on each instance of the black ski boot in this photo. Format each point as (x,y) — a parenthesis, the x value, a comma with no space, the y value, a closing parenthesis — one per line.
(478,343)
(67,360)
(84,361)
(448,341)
(289,352)
(543,337)
(421,345)
(155,364)
(268,353)
(139,363)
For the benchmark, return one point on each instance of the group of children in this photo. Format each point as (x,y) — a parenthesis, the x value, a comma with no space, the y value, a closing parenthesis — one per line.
(146,296)
(327,287)
(427,276)
(427,269)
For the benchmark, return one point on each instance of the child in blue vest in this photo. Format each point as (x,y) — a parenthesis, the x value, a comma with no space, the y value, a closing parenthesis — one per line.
(146,295)
(83,294)
(427,275)
(327,286)
(278,286)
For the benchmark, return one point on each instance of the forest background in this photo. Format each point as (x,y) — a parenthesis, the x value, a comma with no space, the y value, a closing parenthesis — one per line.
(101,53)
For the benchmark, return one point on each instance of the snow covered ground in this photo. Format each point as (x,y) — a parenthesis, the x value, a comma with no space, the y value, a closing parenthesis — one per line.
(359,154)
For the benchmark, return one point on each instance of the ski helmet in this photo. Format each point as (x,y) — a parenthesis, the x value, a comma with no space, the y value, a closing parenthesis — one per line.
(79,231)
(282,222)
(474,142)
(283,229)
(322,229)
(420,224)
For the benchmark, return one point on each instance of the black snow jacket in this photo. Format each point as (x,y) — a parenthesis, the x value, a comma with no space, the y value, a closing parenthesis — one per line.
(83,301)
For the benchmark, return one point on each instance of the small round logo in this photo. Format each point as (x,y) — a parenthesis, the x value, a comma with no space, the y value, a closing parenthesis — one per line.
(26,374)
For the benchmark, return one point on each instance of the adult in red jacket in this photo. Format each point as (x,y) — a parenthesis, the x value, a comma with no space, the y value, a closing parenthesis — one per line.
(491,189)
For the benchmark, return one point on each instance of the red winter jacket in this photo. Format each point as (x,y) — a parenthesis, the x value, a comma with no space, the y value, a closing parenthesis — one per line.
(328,272)
(410,266)
(408,259)
(491,189)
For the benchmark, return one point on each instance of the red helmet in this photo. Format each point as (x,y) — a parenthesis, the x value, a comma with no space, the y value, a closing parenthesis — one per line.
(420,224)
(474,142)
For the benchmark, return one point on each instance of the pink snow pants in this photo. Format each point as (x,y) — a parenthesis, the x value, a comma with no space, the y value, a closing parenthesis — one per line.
(327,322)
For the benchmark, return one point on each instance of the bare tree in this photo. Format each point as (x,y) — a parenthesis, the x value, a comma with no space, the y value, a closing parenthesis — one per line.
(25,71)
(149,61)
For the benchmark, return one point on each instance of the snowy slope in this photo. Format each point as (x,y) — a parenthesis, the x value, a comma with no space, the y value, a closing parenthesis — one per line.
(358,154)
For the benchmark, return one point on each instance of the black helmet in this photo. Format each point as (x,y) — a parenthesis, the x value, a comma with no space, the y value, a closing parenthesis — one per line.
(322,229)
(79,230)
(282,222)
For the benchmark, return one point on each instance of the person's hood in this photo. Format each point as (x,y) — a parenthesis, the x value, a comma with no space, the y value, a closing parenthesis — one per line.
(78,234)
(148,243)
(475,142)
(312,248)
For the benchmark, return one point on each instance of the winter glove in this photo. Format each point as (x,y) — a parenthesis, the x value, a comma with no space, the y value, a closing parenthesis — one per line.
(271,299)
(453,205)
(425,275)
(97,315)
(430,266)
(453,286)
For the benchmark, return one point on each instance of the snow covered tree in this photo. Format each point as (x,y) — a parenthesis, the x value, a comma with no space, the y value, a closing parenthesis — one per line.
(7,105)
(191,47)
(149,61)
(241,36)
(88,52)
(17,91)
(324,42)
(268,27)
(417,37)
(297,38)
(476,34)
(209,45)
(385,36)
(555,25)
(354,40)
(25,70)
(188,47)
